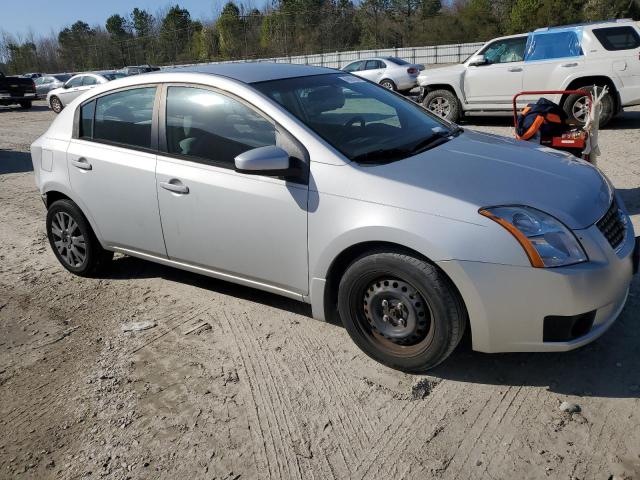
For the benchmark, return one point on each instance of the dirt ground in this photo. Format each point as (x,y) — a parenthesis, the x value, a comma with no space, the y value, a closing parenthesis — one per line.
(233,383)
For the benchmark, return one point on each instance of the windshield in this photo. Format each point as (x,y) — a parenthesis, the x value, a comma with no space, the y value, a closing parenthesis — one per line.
(62,78)
(363,121)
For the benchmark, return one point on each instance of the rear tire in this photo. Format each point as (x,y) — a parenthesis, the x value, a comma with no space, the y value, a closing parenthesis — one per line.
(73,241)
(422,320)
(56,104)
(388,84)
(575,107)
(25,105)
(443,103)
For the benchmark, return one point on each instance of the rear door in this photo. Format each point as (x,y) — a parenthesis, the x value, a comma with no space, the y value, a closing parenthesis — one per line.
(372,70)
(112,163)
(501,77)
(248,228)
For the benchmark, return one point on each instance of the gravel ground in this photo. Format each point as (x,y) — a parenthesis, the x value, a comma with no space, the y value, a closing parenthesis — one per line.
(233,383)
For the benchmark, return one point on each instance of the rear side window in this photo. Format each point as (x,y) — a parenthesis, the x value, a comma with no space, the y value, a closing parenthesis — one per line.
(211,126)
(125,117)
(374,64)
(86,119)
(617,38)
(89,81)
(75,82)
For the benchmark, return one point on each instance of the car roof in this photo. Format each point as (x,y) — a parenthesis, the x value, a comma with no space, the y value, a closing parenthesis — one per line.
(253,72)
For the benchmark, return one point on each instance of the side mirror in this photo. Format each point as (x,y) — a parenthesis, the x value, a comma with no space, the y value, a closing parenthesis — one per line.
(66,85)
(477,60)
(272,161)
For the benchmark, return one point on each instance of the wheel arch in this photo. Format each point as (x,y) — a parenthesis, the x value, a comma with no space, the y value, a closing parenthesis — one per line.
(590,80)
(342,261)
(441,86)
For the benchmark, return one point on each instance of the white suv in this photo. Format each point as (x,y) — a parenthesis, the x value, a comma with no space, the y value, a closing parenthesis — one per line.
(554,58)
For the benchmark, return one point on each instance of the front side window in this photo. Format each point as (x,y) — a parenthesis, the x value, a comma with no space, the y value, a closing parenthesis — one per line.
(618,38)
(505,51)
(125,117)
(75,82)
(368,124)
(208,125)
(353,67)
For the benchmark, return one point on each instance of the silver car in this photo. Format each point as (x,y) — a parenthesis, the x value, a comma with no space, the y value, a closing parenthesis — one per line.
(390,72)
(323,187)
(58,98)
(49,82)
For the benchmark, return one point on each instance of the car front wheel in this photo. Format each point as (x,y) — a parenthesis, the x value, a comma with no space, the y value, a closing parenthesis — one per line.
(443,103)
(400,310)
(56,104)
(73,241)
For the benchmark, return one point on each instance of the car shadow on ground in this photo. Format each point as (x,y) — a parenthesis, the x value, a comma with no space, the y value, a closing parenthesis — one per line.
(36,107)
(15,162)
(126,268)
(631,198)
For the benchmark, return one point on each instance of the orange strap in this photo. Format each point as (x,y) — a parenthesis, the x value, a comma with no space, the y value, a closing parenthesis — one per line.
(532,129)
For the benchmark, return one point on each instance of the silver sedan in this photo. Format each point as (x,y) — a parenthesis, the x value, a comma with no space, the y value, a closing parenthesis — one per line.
(391,72)
(323,187)
(75,86)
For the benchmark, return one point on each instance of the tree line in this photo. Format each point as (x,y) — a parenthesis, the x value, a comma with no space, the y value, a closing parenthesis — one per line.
(289,27)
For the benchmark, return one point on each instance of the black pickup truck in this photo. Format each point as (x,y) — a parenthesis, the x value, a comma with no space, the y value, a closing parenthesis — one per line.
(17,90)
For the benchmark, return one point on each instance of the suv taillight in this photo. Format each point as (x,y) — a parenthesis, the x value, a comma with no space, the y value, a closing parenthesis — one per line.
(412,71)
(33,86)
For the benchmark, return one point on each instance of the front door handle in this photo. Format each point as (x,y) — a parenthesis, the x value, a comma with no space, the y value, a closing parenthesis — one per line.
(174,185)
(81,163)
(569,65)
(515,69)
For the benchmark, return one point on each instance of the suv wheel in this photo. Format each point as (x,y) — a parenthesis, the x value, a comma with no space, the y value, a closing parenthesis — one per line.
(576,107)
(443,103)
(56,104)
(388,84)
(400,310)
(73,241)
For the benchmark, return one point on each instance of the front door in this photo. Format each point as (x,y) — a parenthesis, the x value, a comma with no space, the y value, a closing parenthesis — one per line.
(500,78)
(248,228)
(112,169)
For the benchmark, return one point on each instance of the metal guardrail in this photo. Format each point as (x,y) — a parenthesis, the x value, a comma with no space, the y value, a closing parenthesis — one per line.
(429,55)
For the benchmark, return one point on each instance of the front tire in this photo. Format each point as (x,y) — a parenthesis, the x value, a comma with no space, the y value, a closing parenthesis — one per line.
(73,241)
(443,103)
(56,104)
(400,310)
(575,106)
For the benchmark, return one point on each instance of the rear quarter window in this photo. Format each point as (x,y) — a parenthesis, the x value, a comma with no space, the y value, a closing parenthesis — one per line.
(618,38)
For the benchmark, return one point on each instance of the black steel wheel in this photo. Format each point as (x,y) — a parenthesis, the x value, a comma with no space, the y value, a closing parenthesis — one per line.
(401,310)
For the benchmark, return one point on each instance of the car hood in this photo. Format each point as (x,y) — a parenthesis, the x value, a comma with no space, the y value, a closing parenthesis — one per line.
(476,170)
(430,74)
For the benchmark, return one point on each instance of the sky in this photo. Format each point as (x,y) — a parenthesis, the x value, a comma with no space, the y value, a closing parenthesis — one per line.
(43,16)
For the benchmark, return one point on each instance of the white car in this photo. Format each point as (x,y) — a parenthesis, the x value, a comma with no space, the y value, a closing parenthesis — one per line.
(76,86)
(390,72)
(555,58)
(323,187)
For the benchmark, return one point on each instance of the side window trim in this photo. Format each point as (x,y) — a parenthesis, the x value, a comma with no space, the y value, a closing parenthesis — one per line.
(154,119)
(163,149)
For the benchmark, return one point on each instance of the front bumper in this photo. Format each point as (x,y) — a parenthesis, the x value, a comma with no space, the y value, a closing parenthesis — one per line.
(507,305)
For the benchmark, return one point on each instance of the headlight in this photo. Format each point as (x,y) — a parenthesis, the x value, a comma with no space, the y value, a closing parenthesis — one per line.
(546,241)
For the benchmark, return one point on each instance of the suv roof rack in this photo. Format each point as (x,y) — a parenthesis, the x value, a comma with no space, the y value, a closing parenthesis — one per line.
(613,20)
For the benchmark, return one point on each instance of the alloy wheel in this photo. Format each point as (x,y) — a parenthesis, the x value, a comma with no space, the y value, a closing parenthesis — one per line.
(440,106)
(68,239)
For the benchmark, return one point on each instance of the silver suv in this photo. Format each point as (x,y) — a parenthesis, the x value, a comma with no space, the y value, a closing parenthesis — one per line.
(323,187)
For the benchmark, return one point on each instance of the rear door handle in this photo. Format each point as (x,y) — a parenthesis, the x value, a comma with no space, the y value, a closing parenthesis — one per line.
(515,69)
(569,65)
(81,163)
(174,185)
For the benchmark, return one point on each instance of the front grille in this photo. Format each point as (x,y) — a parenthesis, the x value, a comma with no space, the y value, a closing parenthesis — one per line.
(612,225)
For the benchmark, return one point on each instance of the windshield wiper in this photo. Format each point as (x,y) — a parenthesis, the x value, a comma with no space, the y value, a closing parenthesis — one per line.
(382,155)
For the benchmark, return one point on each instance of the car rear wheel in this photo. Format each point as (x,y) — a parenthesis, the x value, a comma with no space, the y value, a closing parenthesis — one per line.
(400,310)
(73,241)
(56,104)
(443,103)
(25,105)
(576,106)
(388,84)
